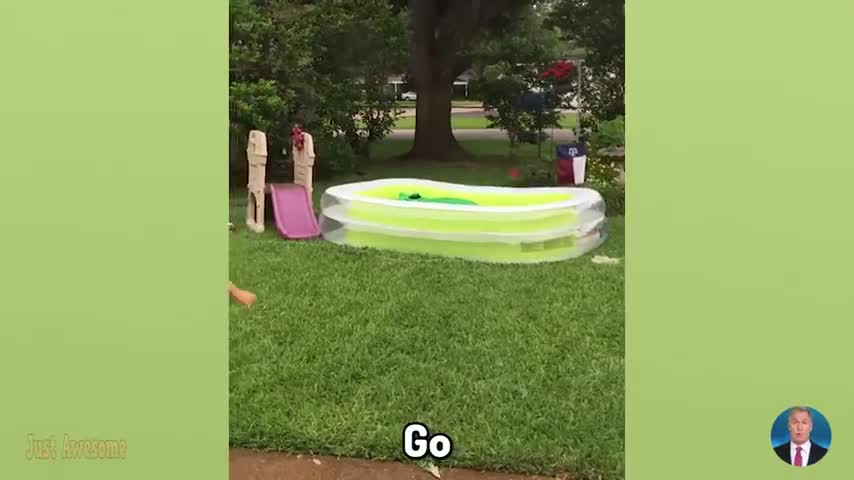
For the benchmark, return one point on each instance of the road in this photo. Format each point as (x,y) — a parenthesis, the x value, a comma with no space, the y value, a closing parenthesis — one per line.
(464,112)
(560,135)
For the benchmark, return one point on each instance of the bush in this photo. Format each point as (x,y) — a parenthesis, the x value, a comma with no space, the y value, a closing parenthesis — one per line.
(601,170)
(613,194)
(292,63)
(541,173)
(522,104)
(257,106)
(615,198)
(609,133)
(600,135)
(335,155)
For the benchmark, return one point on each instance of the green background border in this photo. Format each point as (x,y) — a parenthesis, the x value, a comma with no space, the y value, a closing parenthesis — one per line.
(114,258)
(115,250)
(739,265)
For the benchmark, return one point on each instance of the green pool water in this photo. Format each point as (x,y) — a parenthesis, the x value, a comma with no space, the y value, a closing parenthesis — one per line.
(483,251)
(461,221)
(417,197)
(481,198)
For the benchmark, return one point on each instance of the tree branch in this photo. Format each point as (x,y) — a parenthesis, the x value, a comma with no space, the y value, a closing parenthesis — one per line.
(458,27)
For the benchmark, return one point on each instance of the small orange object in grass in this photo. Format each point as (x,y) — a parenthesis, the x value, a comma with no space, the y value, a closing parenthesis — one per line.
(244,297)
(514,173)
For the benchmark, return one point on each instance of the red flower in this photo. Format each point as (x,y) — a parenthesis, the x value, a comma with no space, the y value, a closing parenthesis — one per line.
(514,173)
(298,138)
(559,70)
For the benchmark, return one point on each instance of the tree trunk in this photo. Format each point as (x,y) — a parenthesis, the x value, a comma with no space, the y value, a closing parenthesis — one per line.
(434,78)
(434,139)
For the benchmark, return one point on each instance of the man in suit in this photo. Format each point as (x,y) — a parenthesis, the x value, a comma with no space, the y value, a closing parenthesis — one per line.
(800,450)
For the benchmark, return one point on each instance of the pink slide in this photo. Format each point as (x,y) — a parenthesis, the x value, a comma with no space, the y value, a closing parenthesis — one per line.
(292,209)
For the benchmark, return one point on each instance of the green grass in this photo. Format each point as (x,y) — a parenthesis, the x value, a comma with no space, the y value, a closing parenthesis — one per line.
(521,365)
(489,153)
(459,122)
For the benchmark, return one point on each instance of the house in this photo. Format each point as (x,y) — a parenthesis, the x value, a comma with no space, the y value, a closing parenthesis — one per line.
(461,84)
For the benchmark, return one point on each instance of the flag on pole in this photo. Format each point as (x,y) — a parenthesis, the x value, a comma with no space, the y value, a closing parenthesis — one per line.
(571,163)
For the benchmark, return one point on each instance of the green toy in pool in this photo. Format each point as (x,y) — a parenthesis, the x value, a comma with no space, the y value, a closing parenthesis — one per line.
(416,197)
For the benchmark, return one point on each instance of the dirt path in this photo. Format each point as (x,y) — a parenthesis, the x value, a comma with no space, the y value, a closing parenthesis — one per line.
(252,465)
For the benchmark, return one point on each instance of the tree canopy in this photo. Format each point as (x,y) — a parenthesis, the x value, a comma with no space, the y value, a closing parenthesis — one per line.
(322,64)
(599,27)
(446,34)
(325,64)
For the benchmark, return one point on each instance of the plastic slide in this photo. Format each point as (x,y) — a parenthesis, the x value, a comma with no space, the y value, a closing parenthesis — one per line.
(292,209)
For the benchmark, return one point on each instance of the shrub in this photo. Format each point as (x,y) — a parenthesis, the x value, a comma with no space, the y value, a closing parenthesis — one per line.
(613,194)
(293,63)
(609,133)
(601,172)
(522,104)
(334,155)
(599,135)
(615,198)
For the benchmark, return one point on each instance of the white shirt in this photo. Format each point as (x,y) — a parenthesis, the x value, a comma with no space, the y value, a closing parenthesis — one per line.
(805,452)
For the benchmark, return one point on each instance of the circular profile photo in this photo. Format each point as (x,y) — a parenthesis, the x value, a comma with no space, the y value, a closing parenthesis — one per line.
(800,436)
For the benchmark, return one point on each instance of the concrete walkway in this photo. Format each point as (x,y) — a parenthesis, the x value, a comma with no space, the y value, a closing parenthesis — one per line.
(560,135)
(465,112)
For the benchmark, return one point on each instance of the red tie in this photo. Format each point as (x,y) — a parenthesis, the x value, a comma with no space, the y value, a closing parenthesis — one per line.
(799,460)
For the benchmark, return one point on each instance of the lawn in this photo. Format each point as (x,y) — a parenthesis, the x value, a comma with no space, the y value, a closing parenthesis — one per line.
(463,122)
(521,365)
(492,159)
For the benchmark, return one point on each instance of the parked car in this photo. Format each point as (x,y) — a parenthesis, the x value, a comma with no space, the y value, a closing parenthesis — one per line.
(408,96)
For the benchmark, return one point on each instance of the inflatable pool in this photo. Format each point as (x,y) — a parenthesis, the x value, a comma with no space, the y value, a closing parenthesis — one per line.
(489,224)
